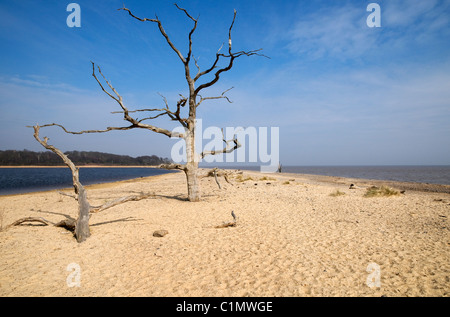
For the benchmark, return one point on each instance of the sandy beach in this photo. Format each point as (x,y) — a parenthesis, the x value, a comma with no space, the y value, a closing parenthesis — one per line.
(295,235)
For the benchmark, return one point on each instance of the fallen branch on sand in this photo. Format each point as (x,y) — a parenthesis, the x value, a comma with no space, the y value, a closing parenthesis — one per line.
(121,200)
(68,223)
(216,172)
(27,219)
(228,224)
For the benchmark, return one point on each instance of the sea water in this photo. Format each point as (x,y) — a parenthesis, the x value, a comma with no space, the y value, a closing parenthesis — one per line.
(24,180)
(417,174)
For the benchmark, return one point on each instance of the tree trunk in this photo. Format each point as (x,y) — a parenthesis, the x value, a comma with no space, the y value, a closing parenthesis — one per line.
(191,169)
(82,231)
(193,183)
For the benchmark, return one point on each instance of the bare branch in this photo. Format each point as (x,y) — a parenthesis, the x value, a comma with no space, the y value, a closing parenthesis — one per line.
(41,220)
(68,195)
(175,116)
(228,224)
(126,113)
(222,96)
(190,33)
(163,32)
(232,56)
(76,182)
(81,225)
(173,166)
(226,149)
(200,74)
(87,131)
(217,181)
(121,200)
(196,65)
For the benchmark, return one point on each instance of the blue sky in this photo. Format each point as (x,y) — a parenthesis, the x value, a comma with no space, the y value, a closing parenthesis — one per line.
(340,92)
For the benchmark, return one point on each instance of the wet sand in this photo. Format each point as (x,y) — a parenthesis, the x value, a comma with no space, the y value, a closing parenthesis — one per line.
(292,238)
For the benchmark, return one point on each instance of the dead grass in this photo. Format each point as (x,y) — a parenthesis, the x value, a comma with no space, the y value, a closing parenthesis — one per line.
(265,178)
(382,191)
(240,178)
(337,193)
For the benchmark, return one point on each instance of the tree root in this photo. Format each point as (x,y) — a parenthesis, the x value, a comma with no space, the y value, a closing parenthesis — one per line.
(68,223)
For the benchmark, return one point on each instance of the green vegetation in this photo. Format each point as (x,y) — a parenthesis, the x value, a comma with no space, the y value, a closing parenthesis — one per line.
(26,158)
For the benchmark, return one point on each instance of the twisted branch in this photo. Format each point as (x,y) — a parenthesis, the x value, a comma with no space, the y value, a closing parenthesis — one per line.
(226,149)
(126,113)
(232,56)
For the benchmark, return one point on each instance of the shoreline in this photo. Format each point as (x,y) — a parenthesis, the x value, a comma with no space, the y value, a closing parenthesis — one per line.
(415,186)
(324,179)
(107,184)
(88,187)
(309,178)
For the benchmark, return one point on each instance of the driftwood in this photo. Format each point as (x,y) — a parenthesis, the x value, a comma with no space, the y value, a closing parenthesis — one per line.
(228,224)
(27,219)
(121,200)
(216,172)
(81,225)
(215,177)
(115,202)
(69,223)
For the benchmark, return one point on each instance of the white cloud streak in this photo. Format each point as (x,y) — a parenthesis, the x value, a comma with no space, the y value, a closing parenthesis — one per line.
(341,32)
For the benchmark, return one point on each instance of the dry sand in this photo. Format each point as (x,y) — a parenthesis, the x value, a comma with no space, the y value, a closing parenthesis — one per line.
(291,239)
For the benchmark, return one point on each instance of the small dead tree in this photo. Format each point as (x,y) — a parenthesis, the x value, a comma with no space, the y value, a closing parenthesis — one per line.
(81,228)
(192,101)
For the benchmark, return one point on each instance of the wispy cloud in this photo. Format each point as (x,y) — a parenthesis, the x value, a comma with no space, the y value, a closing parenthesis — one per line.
(39,81)
(340,31)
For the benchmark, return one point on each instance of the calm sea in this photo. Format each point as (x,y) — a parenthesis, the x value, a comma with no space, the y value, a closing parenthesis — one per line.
(417,174)
(25,180)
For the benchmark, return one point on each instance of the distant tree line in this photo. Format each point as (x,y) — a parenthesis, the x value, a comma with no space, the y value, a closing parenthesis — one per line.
(25,157)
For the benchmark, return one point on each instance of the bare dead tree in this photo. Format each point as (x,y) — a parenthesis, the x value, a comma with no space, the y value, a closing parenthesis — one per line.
(81,229)
(79,226)
(192,101)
